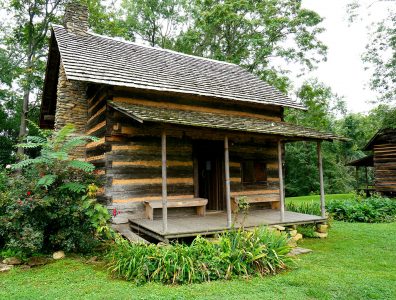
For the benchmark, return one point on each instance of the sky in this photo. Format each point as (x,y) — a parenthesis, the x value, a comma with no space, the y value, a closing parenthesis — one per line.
(344,71)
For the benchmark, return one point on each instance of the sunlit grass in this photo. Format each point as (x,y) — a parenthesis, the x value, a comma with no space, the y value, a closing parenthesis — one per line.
(316,198)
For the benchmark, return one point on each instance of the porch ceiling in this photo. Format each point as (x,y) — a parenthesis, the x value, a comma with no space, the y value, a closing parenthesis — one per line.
(143,113)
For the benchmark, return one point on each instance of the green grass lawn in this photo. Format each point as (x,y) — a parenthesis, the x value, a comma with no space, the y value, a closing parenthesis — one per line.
(357,261)
(315,198)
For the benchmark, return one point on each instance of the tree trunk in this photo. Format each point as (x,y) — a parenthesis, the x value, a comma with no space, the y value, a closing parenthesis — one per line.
(25,108)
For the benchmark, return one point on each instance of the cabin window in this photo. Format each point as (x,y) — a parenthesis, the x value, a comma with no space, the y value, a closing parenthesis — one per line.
(254,172)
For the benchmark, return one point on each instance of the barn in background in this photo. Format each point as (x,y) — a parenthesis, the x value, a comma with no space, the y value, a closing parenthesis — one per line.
(382,158)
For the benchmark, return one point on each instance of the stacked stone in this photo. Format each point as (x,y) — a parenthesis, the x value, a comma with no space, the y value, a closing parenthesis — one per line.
(321,231)
(76,18)
(71,106)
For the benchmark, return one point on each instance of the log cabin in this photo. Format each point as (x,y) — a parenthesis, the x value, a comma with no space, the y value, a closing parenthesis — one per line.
(382,159)
(182,139)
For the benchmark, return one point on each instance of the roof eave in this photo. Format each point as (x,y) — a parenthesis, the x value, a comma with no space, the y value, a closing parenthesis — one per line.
(156,88)
(285,137)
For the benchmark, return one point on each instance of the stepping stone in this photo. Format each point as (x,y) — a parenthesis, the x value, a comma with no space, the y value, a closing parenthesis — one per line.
(298,251)
(12,261)
(5,268)
(37,261)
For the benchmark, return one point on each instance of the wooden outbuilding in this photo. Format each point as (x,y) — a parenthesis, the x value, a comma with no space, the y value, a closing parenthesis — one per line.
(182,139)
(382,158)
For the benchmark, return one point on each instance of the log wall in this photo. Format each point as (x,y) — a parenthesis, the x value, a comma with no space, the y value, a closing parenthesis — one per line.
(385,167)
(264,152)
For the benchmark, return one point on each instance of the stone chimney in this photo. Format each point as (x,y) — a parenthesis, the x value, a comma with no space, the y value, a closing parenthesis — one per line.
(75,19)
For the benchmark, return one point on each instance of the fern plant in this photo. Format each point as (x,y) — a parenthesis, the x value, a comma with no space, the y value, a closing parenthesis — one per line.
(51,204)
(55,160)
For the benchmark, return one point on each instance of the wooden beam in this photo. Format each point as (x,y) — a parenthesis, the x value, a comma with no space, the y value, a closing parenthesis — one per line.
(164,185)
(281,185)
(322,196)
(227,181)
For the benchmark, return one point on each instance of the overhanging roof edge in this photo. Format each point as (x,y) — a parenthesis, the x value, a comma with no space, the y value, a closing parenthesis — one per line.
(310,135)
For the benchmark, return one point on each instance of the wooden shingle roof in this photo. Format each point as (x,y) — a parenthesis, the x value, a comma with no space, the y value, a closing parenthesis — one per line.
(383,136)
(104,60)
(142,113)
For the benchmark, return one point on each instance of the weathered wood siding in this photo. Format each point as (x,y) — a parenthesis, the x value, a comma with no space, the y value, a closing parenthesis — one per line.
(385,167)
(264,152)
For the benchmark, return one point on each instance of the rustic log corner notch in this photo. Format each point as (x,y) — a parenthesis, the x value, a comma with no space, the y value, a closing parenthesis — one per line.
(187,141)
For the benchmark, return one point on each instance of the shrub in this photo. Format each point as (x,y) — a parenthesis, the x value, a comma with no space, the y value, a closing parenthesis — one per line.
(235,253)
(307,230)
(375,209)
(311,208)
(49,204)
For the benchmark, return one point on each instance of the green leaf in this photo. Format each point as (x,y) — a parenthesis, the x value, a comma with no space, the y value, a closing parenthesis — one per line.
(47,180)
(74,187)
(82,165)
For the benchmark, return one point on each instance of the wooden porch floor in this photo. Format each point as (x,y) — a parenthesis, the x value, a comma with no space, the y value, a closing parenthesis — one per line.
(215,222)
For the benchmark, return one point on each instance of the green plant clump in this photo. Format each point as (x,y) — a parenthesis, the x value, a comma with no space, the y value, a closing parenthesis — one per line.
(311,207)
(375,209)
(50,202)
(235,253)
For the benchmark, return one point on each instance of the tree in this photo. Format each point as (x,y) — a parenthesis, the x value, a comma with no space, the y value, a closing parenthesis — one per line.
(302,177)
(157,22)
(380,55)
(262,36)
(24,43)
(28,42)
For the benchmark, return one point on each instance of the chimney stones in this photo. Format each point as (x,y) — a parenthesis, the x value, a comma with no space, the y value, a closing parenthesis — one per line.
(75,19)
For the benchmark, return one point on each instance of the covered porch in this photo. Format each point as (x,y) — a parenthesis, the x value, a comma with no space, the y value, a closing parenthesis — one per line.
(366,163)
(200,126)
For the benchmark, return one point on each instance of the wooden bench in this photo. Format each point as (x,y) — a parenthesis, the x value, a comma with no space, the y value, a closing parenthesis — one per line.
(269,198)
(199,203)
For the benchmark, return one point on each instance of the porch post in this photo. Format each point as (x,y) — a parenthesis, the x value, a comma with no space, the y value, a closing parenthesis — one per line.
(322,196)
(281,185)
(164,185)
(227,181)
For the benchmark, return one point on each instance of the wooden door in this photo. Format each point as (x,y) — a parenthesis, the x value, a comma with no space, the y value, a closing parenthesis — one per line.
(211,173)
